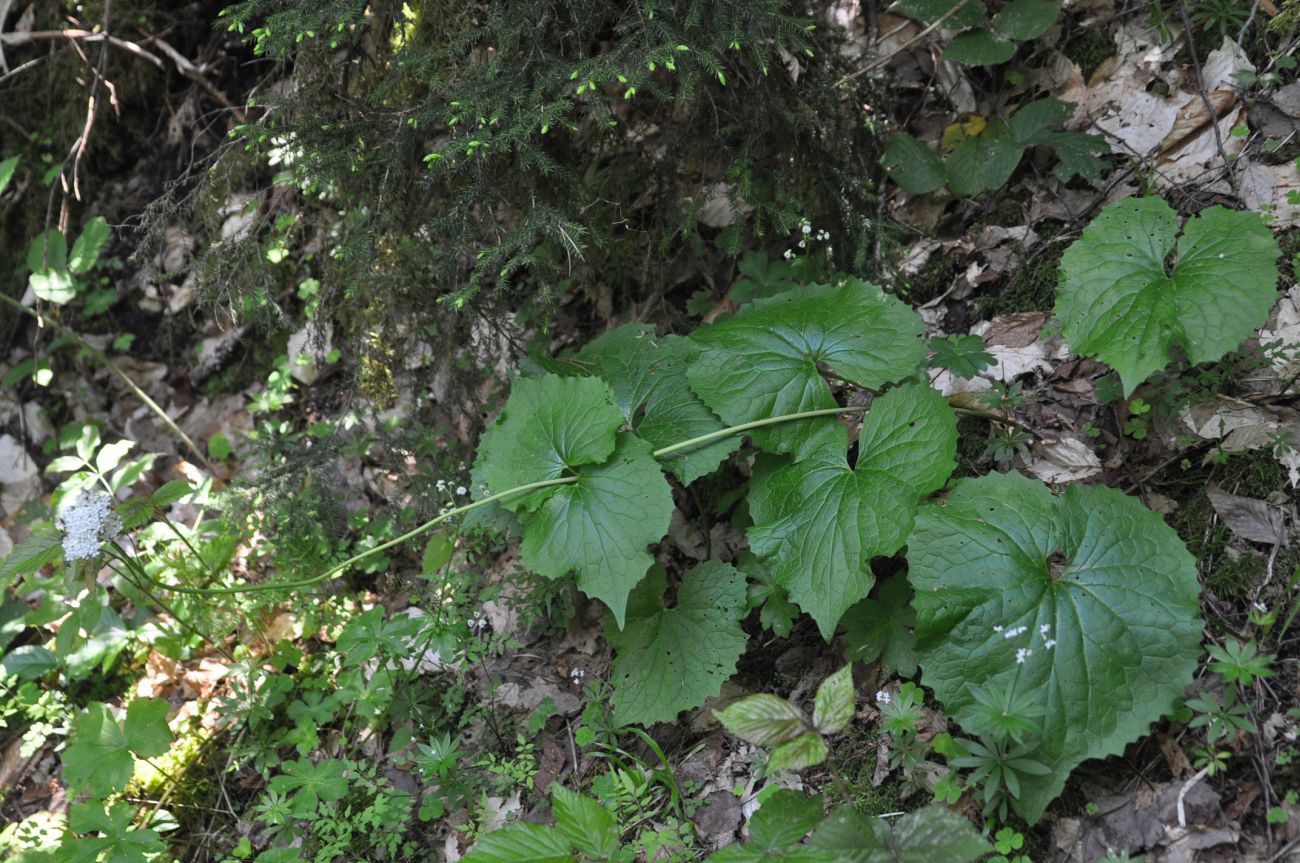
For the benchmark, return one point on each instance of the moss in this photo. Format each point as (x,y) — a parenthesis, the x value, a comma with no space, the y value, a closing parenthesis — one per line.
(1087,47)
(855,760)
(1031,289)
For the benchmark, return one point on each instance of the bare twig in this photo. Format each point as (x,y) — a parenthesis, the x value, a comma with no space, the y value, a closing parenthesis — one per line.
(80,36)
(196,74)
(1182,793)
(1250,19)
(1205,97)
(881,61)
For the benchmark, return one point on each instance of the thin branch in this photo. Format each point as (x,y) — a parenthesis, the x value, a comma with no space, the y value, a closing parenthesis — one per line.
(881,61)
(79,36)
(1205,97)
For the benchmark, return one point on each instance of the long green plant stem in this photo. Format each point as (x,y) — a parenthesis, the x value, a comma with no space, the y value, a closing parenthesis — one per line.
(701,440)
(112,367)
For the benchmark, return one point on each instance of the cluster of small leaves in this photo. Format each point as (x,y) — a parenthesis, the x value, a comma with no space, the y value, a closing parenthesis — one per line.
(984,157)
(983,41)
(770,721)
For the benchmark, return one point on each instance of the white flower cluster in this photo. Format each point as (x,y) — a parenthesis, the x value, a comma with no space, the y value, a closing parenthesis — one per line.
(1023,653)
(86,522)
(478,623)
(576,675)
(882,697)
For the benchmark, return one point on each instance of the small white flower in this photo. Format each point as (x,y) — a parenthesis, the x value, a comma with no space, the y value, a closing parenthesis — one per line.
(576,675)
(441,486)
(882,697)
(807,229)
(1049,643)
(461,490)
(478,623)
(997,628)
(88,521)
(1014,631)
(803,244)
(1044,629)
(1022,654)
(788,254)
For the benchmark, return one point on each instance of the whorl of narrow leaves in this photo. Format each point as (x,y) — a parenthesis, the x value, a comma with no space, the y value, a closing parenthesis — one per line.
(1121,302)
(1088,601)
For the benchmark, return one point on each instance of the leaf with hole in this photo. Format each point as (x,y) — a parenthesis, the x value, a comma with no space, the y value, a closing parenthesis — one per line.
(1121,302)
(820,521)
(1089,601)
(672,659)
(770,358)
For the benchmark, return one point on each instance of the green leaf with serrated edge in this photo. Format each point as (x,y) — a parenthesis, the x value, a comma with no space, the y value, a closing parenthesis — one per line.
(971,14)
(86,250)
(673,659)
(1096,574)
(589,827)
(1076,154)
(7,168)
(1119,302)
(172,492)
(124,843)
(601,526)
(1032,121)
(145,729)
(763,720)
(963,355)
(979,48)
(550,425)
(766,359)
(1026,19)
(53,286)
(925,836)
(29,661)
(521,842)
(785,819)
(912,165)
(984,162)
(819,522)
(647,374)
(98,758)
(834,705)
(40,549)
(48,251)
(880,627)
(806,750)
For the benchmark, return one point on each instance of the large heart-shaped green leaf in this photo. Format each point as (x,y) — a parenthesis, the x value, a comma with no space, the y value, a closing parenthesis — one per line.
(600,526)
(550,425)
(820,521)
(1089,602)
(648,376)
(672,659)
(1121,302)
(768,359)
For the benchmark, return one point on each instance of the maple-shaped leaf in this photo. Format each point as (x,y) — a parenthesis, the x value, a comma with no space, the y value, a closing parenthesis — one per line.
(672,659)
(770,358)
(99,757)
(647,374)
(819,522)
(1120,299)
(1086,603)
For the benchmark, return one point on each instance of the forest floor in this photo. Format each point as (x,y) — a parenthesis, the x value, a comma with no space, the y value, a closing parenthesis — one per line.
(519,700)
